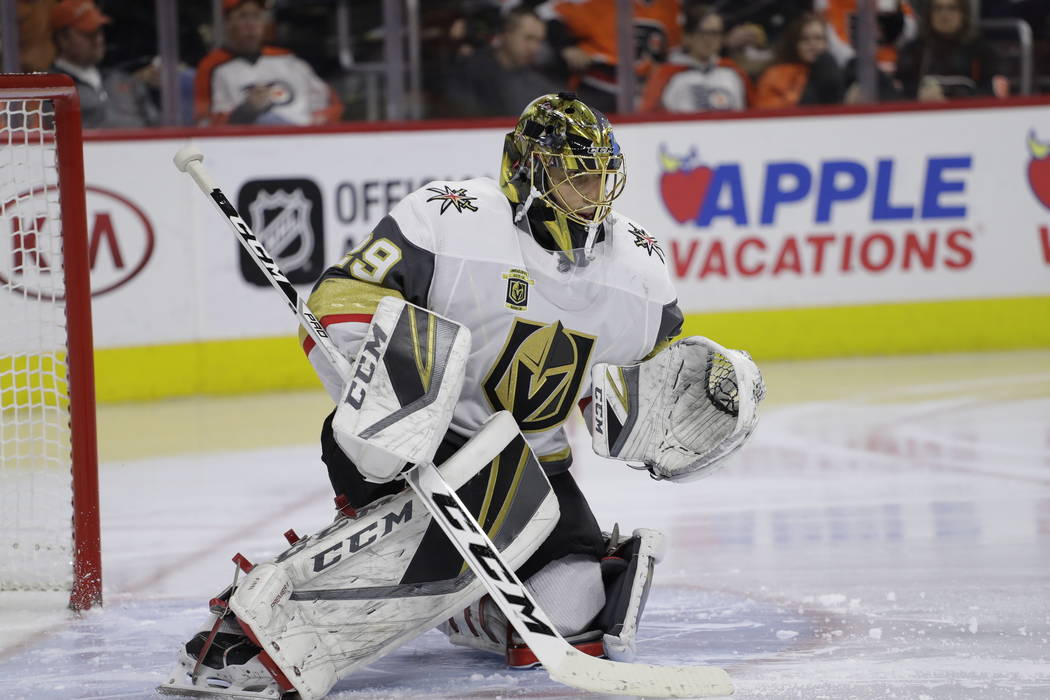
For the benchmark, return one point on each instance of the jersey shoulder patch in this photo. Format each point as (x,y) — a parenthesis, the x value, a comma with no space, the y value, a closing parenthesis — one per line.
(451,198)
(458,198)
(467,218)
(438,209)
(641,238)
(642,256)
(635,242)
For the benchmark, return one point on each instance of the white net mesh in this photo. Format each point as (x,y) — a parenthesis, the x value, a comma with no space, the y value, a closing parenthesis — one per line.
(36,549)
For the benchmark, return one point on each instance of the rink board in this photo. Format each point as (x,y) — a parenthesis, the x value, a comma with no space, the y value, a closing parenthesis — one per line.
(828,234)
(235,366)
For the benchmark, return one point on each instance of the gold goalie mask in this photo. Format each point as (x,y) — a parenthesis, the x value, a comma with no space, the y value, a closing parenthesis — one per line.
(564,166)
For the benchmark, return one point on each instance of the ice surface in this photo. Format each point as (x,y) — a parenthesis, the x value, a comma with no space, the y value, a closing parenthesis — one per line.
(886,534)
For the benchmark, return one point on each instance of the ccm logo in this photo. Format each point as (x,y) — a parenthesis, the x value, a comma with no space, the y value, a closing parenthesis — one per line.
(362,538)
(368,360)
(491,564)
(599,411)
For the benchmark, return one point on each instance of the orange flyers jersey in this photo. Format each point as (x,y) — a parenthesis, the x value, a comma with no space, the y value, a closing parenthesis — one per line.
(593,22)
(841,16)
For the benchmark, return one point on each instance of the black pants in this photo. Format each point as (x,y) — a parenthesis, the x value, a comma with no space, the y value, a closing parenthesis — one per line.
(577,531)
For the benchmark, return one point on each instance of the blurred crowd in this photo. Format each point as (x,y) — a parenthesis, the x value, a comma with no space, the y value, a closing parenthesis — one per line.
(283,62)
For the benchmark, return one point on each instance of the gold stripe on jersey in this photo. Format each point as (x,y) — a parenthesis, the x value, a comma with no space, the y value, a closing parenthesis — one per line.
(487,500)
(619,386)
(345,295)
(508,497)
(512,491)
(559,456)
(423,350)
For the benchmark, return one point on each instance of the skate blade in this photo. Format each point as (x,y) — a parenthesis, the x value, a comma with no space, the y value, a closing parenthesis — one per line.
(199,691)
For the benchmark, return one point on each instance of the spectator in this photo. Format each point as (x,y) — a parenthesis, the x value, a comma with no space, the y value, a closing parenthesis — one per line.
(113,99)
(949,59)
(698,79)
(747,45)
(132,46)
(895,25)
(584,34)
(36,49)
(246,82)
(805,73)
(500,79)
(755,26)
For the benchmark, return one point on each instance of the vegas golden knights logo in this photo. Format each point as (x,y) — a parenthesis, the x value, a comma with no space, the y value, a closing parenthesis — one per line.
(517,293)
(538,373)
(518,282)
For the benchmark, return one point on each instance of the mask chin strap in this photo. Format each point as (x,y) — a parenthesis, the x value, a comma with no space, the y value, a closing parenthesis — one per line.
(533,193)
(588,246)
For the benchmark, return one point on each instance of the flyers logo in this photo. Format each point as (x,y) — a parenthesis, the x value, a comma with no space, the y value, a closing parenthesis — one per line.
(537,375)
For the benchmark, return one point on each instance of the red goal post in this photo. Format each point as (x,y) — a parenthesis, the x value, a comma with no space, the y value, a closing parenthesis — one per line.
(49,503)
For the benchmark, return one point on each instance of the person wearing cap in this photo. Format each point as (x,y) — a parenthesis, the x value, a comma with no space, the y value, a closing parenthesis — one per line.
(247,82)
(110,99)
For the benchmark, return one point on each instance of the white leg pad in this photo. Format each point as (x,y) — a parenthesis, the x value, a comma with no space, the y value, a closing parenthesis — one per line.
(335,601)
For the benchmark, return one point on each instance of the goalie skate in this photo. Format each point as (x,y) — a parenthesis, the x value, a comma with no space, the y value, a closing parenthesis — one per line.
(249,680)
(221,662)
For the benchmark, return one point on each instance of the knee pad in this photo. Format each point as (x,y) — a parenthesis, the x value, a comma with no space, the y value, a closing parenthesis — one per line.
(627,574)
(627,571)
(570,590)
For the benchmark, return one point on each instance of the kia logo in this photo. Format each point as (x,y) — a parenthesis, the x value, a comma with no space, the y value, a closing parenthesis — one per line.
(119,234)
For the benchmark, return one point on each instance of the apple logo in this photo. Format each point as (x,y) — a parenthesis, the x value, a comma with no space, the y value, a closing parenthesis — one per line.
(1039,169)
(684,182)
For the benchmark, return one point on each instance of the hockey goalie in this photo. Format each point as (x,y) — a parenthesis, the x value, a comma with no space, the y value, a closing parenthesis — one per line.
(477,316)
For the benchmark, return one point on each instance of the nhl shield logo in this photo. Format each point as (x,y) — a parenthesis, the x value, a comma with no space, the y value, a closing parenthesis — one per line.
(518,282)
(286,216)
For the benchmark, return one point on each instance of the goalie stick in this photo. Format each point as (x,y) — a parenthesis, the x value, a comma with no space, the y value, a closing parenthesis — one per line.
(562,662)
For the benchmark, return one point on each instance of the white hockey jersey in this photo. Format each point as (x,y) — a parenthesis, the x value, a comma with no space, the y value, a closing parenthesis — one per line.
(537,323)
(693,86)
(297,95)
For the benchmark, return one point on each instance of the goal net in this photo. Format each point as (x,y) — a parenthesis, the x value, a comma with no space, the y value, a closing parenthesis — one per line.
(49,527)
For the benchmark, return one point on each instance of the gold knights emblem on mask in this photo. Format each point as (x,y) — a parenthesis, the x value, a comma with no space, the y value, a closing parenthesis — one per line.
(538,373)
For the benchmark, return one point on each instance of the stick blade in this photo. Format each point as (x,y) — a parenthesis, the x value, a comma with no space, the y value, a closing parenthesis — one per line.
(602,676)
(192,691)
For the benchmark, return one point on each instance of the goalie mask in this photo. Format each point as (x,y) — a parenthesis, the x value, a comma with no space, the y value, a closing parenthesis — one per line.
(563,166)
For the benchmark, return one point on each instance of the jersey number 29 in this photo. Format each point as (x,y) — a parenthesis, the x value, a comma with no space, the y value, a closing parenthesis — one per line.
(374,262)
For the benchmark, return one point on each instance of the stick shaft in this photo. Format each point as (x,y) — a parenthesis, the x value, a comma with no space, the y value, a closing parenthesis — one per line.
(269,267)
